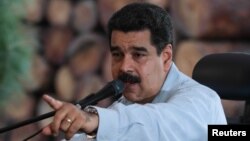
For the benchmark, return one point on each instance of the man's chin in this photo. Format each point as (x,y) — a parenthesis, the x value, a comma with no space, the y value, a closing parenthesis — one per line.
(131,91)
(131,96)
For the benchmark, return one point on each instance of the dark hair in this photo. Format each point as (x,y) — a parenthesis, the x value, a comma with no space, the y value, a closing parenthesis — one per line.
(141,16)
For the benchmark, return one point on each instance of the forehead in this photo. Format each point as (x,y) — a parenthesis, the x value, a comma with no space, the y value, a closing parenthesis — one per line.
(132,38)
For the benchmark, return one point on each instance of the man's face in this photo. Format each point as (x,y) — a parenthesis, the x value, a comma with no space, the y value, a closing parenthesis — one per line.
(133,53)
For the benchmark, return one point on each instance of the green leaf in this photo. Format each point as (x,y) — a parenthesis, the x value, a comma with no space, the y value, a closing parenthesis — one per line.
(15,53)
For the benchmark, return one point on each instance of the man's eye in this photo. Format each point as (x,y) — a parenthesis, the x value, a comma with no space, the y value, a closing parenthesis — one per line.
(138,55)
(116,54)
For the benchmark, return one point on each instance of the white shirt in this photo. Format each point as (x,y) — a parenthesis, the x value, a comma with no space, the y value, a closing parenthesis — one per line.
(180,112)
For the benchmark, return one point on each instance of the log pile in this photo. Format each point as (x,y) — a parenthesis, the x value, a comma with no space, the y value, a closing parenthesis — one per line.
(212,18)
(203,27)
(190,52)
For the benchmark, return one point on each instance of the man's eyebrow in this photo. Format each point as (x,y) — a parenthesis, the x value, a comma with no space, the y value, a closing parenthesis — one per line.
(143,49)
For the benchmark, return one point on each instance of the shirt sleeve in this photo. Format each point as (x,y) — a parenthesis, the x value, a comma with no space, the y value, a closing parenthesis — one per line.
(181,118)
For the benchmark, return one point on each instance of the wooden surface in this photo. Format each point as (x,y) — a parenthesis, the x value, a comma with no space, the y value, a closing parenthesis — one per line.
(212,18)
(34,10)
(58,12)
(190,52)
(84,16)
(56,41)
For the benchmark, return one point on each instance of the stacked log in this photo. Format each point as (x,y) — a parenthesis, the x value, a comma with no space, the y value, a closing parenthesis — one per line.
(58,12)
(190,52)
(84,16)
(56,42)
(34,10)
(212,18)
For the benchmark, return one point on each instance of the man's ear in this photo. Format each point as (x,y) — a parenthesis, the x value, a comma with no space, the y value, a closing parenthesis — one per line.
(166,56)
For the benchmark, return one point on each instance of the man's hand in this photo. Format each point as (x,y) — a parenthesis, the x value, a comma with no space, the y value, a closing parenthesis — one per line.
(69,119)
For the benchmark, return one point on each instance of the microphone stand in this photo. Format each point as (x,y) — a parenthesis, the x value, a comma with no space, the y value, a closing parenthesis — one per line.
(82,104)
(26,122)
(113,88)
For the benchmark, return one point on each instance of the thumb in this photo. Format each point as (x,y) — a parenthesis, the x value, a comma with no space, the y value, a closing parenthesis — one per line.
(53,103)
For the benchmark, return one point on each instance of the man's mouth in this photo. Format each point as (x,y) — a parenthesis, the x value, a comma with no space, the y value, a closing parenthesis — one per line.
(130,84)
(130,87)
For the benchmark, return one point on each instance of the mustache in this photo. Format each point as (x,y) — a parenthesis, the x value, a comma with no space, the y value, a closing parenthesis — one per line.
(129,78)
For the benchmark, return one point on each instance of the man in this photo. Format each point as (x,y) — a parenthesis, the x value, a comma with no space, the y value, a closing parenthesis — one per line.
(159,103)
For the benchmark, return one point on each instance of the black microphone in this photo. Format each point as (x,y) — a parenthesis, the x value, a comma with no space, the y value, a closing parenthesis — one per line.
(113,88)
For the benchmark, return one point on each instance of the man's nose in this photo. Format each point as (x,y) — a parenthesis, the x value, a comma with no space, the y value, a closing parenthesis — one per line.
(127,64)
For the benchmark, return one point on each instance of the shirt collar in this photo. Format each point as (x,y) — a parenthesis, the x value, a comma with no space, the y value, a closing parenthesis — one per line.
(169,85)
